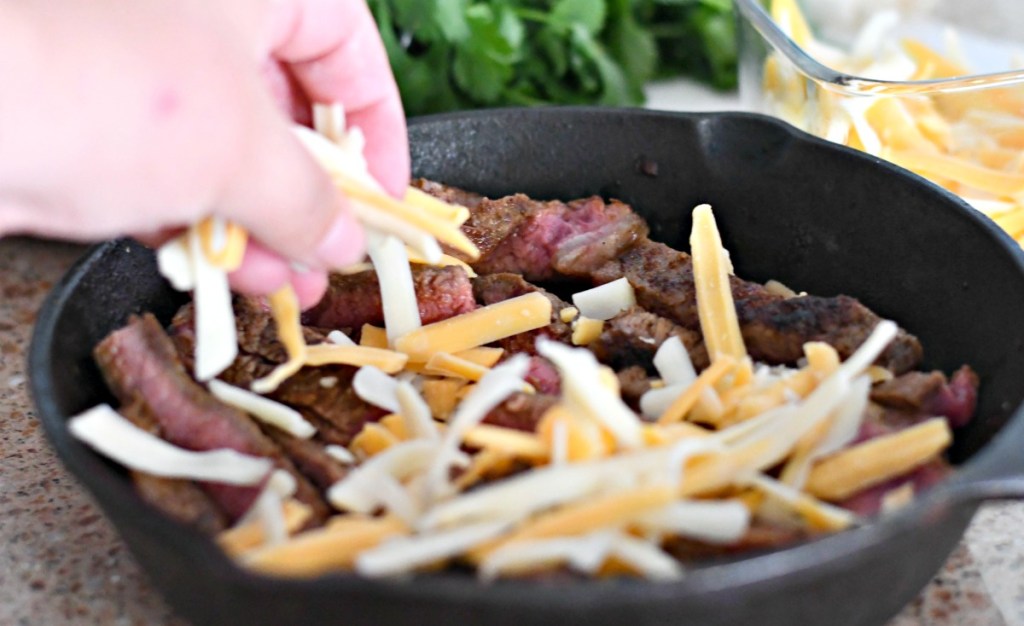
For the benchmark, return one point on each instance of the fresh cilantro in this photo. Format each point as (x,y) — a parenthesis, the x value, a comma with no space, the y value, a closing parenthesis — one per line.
(453,54)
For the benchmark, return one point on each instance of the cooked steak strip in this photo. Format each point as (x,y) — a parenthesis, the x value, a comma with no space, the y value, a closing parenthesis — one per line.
(354,299)
(774,328)
(309,457)
(761,537)
(543,375)
(255,329)
(522,411)
(601,241)
(180,499)
(916,396)
(337,405)
(323,395)
(634,336)
(139,361)
(534,238)
(633,383)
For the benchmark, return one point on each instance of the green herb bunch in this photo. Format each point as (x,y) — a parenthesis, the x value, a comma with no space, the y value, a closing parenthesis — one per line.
(457,54)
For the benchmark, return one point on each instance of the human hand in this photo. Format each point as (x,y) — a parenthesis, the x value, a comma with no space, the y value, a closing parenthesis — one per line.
(149,115)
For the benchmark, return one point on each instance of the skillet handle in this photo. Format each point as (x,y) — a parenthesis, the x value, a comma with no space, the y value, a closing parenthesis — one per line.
(999,472)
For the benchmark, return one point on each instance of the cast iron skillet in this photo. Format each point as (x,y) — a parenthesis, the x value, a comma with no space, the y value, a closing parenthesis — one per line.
(818,217)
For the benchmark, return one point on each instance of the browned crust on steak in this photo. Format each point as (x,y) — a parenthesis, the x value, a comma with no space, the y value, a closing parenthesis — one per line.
(632,338)
(774,328)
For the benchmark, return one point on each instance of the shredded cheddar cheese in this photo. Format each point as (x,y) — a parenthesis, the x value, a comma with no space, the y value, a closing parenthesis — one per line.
(477,328)
(284,307)
(715,307)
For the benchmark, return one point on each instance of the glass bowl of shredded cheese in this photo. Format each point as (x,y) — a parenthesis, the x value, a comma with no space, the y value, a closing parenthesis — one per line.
(934,86)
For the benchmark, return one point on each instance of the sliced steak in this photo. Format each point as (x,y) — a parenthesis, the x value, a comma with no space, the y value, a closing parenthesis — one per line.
(310,458)
(522,411)
(492,288)
(916,396)
(633,383)
(254,326)
(353,300)
(539,239)
(634,336)
(336,405)
(774,328)
(139,362)
(182,500)
(543,375)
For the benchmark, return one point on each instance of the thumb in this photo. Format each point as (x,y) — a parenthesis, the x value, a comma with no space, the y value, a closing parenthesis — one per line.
(288,203)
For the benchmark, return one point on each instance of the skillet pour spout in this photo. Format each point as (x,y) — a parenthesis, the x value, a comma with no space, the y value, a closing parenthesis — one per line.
(816,216)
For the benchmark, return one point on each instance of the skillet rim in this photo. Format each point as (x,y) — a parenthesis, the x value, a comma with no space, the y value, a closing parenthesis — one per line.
(813,558)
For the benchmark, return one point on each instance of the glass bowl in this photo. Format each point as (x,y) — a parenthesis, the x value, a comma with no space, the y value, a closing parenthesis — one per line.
(932,85)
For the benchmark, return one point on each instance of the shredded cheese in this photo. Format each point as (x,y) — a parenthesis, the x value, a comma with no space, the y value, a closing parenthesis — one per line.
(334,547)
(104,430)
(586,331)
(284,307)
(444,364)
(397,291)
(358,356)
(264,409)
(582,390)
(605,301)
(216,345)
(718,321)
(476,328)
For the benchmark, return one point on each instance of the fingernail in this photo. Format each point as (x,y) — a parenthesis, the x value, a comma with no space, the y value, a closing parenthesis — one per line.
(343,244)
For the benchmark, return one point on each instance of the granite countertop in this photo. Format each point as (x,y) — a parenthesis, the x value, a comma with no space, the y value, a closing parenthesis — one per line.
(62,563)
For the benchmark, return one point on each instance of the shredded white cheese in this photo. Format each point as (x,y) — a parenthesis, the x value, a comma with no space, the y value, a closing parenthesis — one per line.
(339,338)
(103,429)
(405,554)
(397,290)
(498,384)
(264,409)
(216,343)
(718,522)
(582,390)
(377,388)
(605,301)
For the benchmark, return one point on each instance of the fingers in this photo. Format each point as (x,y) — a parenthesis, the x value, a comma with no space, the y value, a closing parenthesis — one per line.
(287,202)
(334,51)
(263,272)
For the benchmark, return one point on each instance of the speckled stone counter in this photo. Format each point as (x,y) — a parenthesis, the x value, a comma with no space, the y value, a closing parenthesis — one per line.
(62,563)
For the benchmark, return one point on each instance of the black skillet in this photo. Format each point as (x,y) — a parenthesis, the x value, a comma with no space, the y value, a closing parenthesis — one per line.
(818,217)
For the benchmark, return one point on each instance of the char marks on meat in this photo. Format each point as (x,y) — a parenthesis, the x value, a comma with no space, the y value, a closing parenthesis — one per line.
(632,338)
(603,241)
(354,299)
(774,328)
(140,362)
